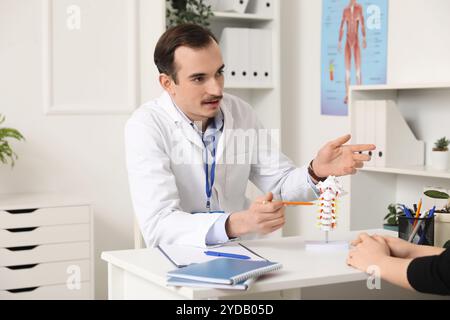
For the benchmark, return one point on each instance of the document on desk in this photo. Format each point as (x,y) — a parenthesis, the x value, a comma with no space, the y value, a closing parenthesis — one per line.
(182,256)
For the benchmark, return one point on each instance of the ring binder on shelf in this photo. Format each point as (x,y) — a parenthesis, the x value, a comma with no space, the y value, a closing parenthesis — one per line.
(260,57)
(234,44)
(261,7)
(248,56)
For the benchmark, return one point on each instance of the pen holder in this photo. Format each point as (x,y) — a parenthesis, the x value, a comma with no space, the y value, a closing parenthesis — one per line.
(425,233)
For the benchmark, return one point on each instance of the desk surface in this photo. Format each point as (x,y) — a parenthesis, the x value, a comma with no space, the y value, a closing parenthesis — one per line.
(301,268)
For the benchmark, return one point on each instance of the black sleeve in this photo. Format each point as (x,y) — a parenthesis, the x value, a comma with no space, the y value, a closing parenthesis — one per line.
(431,274)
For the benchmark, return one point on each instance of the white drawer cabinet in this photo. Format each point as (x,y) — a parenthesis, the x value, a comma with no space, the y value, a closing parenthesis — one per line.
(46,248)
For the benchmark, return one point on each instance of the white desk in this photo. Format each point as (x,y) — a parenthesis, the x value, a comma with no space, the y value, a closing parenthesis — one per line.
(141,274)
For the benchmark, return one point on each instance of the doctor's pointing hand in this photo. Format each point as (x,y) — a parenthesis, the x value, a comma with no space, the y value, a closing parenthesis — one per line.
(184,153)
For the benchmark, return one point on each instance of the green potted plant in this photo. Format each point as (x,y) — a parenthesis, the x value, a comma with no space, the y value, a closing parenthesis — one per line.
(440,154)
(442,218)
(6,152)
(391,219)
(435,194)
(188,11)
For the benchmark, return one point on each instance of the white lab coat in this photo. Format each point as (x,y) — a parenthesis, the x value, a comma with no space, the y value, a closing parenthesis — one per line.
(165,192)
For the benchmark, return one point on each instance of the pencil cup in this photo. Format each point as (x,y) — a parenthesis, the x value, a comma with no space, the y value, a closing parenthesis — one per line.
(424,234)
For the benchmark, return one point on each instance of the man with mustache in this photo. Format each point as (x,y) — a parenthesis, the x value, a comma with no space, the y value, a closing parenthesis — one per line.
(187,183)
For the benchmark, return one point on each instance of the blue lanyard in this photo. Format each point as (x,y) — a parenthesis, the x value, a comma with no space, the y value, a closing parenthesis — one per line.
(210,176)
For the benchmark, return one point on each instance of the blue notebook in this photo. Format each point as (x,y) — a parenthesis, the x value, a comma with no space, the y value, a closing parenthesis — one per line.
(225,271)
(179,282)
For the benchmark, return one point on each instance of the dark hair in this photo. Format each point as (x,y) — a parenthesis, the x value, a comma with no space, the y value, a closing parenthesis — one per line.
(189,35)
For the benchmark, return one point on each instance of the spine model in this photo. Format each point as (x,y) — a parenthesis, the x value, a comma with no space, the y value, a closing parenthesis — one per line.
(330,190)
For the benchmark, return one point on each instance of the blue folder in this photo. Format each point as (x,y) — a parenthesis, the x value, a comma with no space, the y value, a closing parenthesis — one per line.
(225,271)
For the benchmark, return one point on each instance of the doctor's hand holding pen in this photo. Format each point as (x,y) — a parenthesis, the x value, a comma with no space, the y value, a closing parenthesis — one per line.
(263,217)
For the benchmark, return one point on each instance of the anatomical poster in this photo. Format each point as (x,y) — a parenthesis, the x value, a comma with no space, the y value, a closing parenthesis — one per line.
(354,49)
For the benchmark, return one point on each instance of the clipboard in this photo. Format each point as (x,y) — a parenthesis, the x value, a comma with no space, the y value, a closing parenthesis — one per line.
(183,256)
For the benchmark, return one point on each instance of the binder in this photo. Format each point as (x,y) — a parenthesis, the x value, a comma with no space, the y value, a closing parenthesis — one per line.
(359,127)
(396,143)
(225,271)
(263,8)
(260,62)
(358,121)
(381,121)
(180,282)
(370,130)
(363,126)
(234,43)
(238,6)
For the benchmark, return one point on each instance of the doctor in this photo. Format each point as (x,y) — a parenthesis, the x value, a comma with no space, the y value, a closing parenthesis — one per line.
(191,152)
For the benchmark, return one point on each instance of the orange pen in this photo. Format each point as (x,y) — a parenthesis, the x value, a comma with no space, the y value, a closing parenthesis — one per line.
(419,206)
(290,203)
(287,203)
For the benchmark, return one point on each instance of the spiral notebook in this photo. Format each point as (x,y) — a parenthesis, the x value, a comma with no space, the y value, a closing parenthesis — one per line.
(225,271)
(178,282)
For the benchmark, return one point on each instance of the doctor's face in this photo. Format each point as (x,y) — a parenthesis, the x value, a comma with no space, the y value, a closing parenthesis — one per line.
(198,90)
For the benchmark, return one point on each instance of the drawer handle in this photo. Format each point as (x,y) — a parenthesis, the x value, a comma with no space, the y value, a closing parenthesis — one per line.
(21,211)
(22,290)
(17,230)
(22,248)
(22,267)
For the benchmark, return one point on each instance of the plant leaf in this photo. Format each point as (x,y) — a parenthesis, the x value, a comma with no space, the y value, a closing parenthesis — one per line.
(436,194)
(10,133)
(392,220)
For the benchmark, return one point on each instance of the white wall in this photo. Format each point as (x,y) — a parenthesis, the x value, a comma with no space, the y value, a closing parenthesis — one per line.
(418,51)
(419,45)
(75,154)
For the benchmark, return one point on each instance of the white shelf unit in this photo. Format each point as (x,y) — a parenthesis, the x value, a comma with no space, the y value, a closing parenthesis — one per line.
(46,247)
(266,99)
(426,109)
(418,171)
